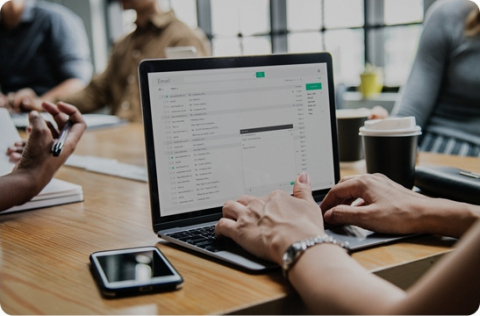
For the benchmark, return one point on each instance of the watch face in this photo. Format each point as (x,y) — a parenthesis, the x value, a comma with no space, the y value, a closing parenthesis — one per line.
(292,253)
(289,255)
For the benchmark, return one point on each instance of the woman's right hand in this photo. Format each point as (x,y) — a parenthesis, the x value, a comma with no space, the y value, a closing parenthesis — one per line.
(379,204)
(36,158)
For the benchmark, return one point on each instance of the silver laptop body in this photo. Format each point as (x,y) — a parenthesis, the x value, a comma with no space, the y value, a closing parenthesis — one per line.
(218,128)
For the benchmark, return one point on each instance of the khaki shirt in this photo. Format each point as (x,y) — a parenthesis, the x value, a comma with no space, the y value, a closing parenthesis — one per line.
(117,86)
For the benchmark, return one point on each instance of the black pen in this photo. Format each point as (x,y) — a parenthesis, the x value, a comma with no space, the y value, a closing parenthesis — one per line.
(57,146)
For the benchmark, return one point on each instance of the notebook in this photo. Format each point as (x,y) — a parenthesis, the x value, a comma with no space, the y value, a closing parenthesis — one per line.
(218,128)
(93,120)
(56,192)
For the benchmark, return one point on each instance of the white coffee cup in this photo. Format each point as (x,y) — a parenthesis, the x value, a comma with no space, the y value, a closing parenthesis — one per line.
(391,148)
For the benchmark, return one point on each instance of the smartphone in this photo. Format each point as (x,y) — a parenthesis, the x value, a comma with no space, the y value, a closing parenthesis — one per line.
(133,271)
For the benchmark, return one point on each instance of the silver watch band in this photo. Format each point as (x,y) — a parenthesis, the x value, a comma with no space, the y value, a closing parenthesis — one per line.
(294,252)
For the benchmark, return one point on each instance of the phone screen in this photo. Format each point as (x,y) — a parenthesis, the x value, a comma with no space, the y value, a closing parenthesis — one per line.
(138,266)
(133,271)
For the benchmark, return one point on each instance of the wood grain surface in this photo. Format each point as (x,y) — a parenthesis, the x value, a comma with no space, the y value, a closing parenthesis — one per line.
(44,265)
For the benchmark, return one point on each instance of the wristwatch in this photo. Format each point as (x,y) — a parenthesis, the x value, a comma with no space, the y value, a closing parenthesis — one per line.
(294,252)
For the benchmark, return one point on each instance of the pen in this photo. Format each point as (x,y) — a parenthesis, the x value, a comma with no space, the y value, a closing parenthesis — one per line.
(470,174)
(58,143)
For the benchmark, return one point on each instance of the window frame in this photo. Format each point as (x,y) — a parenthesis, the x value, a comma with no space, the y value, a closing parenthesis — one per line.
(373,22)
(373,17)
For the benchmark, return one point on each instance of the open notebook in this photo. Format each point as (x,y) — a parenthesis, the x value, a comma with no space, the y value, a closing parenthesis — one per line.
(55,193)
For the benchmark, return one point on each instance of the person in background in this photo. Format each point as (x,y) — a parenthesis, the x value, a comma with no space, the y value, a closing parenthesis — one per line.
(37,166)
(44,54)
(328,280)
(442,91)
(117,87)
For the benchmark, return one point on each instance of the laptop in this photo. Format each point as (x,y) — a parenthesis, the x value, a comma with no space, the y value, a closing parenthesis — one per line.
(217,128)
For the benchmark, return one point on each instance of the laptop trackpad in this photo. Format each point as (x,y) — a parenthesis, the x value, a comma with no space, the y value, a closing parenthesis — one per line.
(241,257)
(359,238)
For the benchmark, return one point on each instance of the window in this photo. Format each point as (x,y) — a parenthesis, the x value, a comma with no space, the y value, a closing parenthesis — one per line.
(335,26)
(384,33)
(240,27)
(185,10)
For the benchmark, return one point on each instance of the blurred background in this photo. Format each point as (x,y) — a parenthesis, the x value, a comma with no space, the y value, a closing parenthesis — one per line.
(383,33)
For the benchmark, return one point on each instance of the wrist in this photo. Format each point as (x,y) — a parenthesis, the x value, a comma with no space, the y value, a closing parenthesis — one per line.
(446,217)
(20,187)
(34,178)
(297,249)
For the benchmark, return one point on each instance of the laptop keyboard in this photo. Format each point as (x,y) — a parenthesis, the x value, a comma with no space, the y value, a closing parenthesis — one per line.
(205,238)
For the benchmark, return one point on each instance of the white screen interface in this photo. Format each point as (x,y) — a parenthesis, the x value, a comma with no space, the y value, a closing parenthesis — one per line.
(222,133)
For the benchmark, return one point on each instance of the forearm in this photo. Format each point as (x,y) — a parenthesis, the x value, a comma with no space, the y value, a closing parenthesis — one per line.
(451,287)
(64,89)
(445,217)
(419,95)
(331,282)
(89,99)
(17,188)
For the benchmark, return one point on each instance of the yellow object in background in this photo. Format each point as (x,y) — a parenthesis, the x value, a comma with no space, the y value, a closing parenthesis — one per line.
(371,81)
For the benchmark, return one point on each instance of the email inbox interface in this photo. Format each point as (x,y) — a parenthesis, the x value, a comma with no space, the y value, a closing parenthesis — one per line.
(227,132)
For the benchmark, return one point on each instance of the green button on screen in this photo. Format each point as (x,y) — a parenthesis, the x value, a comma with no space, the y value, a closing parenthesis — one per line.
(314,86)
(261,74)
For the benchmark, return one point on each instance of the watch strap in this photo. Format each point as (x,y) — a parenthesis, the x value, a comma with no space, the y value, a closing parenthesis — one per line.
(293,253)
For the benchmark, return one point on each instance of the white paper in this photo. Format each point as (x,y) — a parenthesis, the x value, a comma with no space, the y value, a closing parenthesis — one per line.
(92,120)
(108,166)
(8,136)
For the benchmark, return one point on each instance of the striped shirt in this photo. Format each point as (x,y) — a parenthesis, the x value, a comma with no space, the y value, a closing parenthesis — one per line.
(443,90)
(448,145)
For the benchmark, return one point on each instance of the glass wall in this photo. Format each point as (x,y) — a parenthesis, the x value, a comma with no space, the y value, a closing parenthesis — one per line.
(384,33)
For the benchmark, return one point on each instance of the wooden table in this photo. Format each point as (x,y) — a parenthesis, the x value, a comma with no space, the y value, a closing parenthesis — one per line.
(44,253)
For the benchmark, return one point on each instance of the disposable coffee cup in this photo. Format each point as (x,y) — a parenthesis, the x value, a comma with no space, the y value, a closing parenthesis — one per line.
(349,121)
(391,148)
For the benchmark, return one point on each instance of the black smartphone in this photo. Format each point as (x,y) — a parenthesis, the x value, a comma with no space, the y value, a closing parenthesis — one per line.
(133,271)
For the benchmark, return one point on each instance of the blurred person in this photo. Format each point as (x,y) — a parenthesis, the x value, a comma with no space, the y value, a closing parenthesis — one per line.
(117,87)
(442,91)
(327,279)
(37,165)
(44,54)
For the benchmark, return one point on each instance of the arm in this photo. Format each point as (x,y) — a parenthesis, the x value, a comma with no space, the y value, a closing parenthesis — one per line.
(183,35)
(94,96)
(27,100)
(419,95)
(387,207)
(37,166)
(451,286)
(327,279)
(331,282)
(98,92)
(68,57)
(65,88)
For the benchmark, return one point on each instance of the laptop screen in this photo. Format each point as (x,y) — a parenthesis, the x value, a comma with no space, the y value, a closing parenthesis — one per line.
(220,133)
